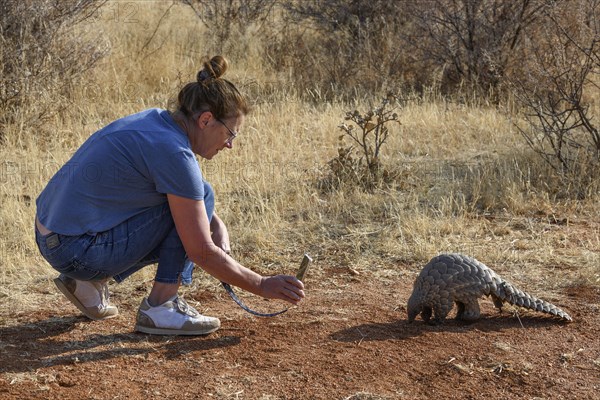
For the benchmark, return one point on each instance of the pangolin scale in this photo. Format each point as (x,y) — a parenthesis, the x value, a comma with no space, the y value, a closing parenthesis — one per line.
(460,279)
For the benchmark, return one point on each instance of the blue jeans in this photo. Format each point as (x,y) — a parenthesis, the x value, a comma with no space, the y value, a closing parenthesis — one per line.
(147,238)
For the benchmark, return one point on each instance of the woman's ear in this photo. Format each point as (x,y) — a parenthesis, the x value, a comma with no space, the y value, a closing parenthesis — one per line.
(203,119)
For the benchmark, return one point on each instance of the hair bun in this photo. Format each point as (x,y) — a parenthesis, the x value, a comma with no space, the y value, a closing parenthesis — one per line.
(213,69)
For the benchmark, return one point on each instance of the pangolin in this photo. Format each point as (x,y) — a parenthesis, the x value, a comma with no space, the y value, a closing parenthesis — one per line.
(460,279)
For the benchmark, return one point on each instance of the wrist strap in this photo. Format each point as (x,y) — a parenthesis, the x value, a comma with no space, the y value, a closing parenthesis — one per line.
(240,303)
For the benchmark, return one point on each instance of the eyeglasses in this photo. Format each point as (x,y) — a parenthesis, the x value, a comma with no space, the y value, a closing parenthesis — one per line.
(232,134)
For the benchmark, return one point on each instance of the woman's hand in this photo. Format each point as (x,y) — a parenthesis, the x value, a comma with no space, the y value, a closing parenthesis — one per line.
(283,287)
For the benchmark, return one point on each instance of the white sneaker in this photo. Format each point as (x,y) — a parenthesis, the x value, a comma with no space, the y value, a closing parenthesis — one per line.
(174,317)
(90,297)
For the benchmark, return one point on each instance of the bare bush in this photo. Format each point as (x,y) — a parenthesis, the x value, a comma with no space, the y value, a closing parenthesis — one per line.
(38,55)
(340,46)
(223,17)
(342,49)
(376,44)
(472,41)
(556,93)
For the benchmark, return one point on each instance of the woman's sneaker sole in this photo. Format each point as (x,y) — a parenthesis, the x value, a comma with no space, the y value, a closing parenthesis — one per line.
(178,332)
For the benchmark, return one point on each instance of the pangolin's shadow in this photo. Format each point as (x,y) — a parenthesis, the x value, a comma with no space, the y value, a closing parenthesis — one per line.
(401,329)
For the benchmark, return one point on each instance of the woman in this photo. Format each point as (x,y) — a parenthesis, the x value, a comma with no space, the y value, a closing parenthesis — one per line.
(133,195)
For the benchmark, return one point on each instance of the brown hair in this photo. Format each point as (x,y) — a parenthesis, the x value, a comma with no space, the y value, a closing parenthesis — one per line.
(212,93)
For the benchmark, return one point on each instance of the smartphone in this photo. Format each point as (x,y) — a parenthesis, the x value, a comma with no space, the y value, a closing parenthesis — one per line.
(303,267)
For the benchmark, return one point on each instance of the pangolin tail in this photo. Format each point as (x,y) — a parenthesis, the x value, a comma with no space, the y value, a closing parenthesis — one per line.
(512,295)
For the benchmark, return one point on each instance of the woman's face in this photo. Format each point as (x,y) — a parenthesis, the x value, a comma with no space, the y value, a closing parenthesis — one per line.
(213,135)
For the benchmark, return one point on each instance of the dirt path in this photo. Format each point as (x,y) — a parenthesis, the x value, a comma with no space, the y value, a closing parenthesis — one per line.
(350,340)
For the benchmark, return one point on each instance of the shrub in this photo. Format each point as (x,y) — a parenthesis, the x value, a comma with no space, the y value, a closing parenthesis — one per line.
(555,95)
(339,48)
(359,164)
(469,41)
(39,55)
(223,18)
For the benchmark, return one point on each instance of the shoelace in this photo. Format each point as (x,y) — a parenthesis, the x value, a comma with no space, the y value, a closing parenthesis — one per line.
(185,308)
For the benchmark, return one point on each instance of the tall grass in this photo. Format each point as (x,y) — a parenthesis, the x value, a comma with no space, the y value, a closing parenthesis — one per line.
(466,181)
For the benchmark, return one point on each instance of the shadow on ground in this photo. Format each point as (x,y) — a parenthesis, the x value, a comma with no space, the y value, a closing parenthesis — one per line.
(42,348)
(402,329)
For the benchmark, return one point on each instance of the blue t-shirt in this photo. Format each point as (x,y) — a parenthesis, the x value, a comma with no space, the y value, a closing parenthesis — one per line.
(120,171)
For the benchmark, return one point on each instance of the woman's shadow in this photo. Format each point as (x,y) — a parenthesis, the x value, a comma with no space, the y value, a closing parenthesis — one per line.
(28,346)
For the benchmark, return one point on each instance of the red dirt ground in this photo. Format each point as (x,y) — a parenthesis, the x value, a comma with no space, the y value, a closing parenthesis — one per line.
(349,340)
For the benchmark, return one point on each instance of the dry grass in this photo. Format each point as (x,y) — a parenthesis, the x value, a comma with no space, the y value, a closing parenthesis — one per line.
(467,183)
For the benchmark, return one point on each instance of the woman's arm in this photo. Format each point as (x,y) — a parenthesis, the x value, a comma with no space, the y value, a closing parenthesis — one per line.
(219,233)
(194,231)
